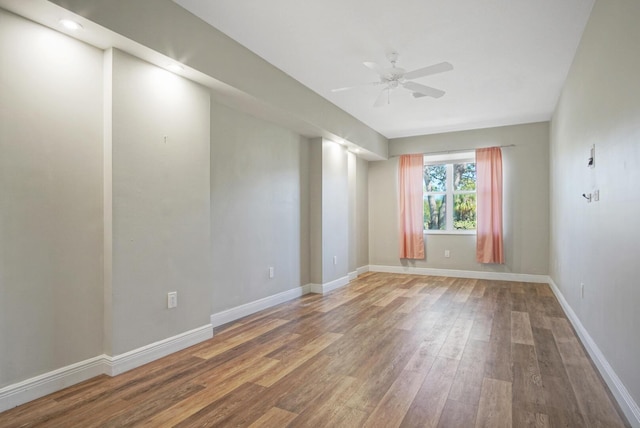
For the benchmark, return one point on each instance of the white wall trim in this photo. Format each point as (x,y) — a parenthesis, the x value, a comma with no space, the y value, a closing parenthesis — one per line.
(145,354)
(329,286)
(499,276)
(353,275)
(238,312)
(362,269)
(624,399)
(47,383)
(55,380)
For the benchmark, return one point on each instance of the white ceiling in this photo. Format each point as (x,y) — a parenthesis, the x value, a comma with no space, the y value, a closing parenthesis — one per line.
(510,57)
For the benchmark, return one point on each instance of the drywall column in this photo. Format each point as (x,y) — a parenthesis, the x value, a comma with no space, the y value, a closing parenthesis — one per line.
(362,215)
(160,204)
(329,206)
(358,172)
(353,225)
(315,211)
(51,203)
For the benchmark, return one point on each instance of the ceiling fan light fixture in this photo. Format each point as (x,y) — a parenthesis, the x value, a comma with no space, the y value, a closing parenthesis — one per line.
(394,77)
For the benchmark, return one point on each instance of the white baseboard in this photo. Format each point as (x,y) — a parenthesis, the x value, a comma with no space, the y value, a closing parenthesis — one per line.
(141,356)
(47,383)
(625,401)
(329,286)
(352,275)
(238,312)
(498,276)
(362,269)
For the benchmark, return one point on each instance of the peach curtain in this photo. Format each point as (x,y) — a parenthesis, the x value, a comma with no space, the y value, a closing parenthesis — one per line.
(489,206)
(411,206)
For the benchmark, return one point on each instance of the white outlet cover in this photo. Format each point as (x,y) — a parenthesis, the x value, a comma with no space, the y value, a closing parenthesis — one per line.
(172,299)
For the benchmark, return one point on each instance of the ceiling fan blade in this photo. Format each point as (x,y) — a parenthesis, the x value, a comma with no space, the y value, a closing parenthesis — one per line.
(426,71)
(383,98)
(375,67)
(347,88)
(426,91)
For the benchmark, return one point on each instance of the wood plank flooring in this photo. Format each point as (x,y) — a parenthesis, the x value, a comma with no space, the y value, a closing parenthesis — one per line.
(385,351)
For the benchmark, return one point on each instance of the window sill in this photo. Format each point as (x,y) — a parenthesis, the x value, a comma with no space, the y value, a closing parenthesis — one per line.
(450,232)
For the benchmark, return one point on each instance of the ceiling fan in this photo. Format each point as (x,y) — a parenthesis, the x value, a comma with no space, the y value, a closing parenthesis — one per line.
(395,77)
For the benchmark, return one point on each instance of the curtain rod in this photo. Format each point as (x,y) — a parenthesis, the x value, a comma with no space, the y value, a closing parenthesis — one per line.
(443,152)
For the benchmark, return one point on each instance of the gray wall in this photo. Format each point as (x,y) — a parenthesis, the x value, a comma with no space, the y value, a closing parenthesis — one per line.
(160,199)
(526,206)
(50,200)
(101,216)
(259,208)
(598,244)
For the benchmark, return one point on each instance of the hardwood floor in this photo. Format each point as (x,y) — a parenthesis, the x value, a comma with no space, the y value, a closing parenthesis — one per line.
(385,351)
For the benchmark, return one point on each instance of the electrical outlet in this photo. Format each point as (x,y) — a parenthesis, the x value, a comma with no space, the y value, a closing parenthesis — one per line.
(447,253)
(272,272)
(172,299)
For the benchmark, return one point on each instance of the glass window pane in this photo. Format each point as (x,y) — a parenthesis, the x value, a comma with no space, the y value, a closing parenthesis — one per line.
(435,178)
(464,176)
(464,211)
(435,212)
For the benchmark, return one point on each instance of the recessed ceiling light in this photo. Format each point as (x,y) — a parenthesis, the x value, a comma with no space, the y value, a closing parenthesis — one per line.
(176,68)
(356,150)
(70,24)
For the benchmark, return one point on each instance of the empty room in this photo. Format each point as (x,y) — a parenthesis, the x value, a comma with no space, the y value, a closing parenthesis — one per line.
(319,214)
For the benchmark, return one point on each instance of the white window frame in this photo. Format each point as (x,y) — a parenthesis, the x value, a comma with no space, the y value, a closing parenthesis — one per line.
(449,159)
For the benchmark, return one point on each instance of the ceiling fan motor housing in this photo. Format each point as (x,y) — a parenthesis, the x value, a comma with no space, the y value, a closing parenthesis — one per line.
(392,57)
(393,74)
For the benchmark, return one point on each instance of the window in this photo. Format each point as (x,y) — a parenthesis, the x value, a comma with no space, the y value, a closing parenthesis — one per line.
(449,189)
